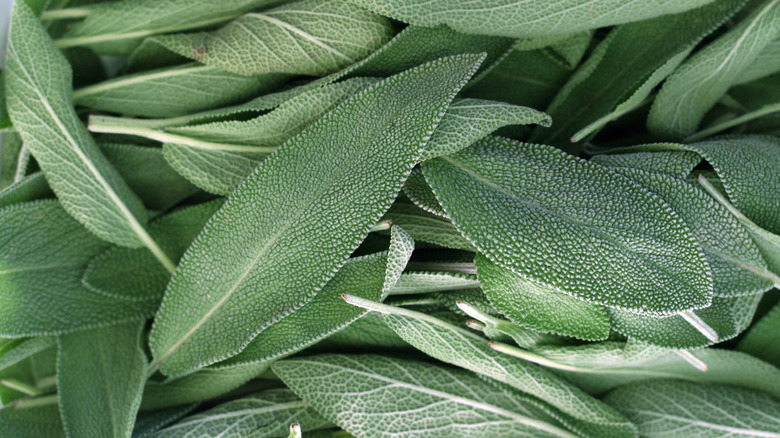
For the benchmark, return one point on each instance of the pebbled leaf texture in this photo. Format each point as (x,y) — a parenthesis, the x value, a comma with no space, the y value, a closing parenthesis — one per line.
(424,226)
(38,90)
(367,394)
(43,258)
(540,308)
(366,148)
(100,376)
(518,19)
(699,82)
(573,226)
(265,414)
(31,423)
(187,88)
(673,408)
(309,37)
(116,28)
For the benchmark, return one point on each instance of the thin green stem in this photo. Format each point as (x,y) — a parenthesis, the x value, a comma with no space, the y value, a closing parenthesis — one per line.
(693,319)
(22,387)
(763,111)
(36,402)
(46,383)
(65,14)
(691,359)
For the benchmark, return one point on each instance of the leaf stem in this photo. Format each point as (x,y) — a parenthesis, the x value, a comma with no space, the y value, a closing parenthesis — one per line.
(699,324)
(381,226)
(103,125)
(463,268)
(765,110)
(46,383)
(22,387)
(65,14)
(36,402)
(691,359)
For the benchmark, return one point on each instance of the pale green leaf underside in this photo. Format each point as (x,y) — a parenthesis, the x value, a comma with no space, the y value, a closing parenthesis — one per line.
(372,395)
(100,377)
(38,89)
(676,409)
(519,19)
(294,232)
(536,307)
(309,37)
(558,220)
(703,79)
(266,414)
(425,226)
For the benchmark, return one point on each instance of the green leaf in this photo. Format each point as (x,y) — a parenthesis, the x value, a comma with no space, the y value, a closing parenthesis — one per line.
(560,226)
(266,414)
(760,341)
(148,423)
(43,258)
(424,226)
(29,188)
(201,385)
(463,348)
(370,277)
(38,88)
(187,89)
(600,367)
(369,333)
(286,253)
(371,395)
(703,79)
(732,256)
(419,192)
(14,159)
(618,73)
(468,120)
(133,274)
(309,37)
(427,282)
(32,422)
(24,350)
(116,28)
(100,375)
(540,308)
(521,19)
(498,329)
(148,175)
(673,408)
(674,163)
(766,63)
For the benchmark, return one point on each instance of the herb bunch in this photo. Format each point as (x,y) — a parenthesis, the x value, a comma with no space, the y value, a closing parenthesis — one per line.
(335,218)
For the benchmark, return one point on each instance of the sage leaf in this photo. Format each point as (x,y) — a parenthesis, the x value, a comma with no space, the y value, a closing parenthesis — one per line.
(29,188)
(758,341)
(43,257)
(426,282)
(205,384)
(616,70)
(114,272)
(38,89)
(703,79)
(265,414)
(673,408)
(766,63)
(14,159)
(371,277)
(675,163)
(424,226)
(463,348)
(117,27)
(32,422)
(433,397)
(539,308)
(24,349)
(188,88)
(387,125)
(559,206)
(520,20)
(419,192)
(305,37)
(101,397)
(468,120)
(369,333)
(148,423)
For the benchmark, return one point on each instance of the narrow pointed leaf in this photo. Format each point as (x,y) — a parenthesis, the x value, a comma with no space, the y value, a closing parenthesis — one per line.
(703,79)
(266,414)
(427,227)
(34,422)
(25,349)
(38,87)
(560,226)
(100,376)
(29,188)
(293,241)
(419,192)
(115,272)
(371,277)
(677,409)
(521,19)
(415,282)
(361,393)
(309,37)
(539,308)
(117,27)
(187,89)
(43,258)
(674,163)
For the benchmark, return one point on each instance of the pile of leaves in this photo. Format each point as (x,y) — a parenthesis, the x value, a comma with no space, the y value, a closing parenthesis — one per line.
(336,218)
